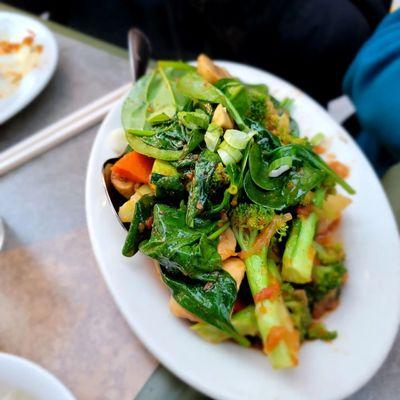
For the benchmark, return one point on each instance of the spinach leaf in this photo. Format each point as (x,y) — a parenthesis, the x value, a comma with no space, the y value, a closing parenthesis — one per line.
(168,188)
(153,99)
(169,135)
(289,188)
(186,164)
(200,185)
(259,169)
(264,137)
(198,119)
(170,77)
(194,86)
(304,171)
(195,139)
(316,161)
(249,100)
(180,248)
(260,163)
(137,144)
(176,65)
(212,302)
(230,175)
(134,110)
(137,230)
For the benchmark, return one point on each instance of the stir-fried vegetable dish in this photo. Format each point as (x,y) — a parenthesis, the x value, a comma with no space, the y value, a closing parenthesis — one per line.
(238,209)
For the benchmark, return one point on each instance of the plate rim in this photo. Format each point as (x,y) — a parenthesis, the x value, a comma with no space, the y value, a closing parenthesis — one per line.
(187,377)
(49,72)
(45,375)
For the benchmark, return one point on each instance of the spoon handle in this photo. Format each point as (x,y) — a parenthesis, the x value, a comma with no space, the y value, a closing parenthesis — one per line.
(139,52)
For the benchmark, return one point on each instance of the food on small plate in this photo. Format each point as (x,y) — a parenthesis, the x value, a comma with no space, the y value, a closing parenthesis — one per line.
(234,205)
(17,59)
(9,393)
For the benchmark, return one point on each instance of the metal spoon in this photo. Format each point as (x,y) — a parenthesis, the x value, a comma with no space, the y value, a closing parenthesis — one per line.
(139,55)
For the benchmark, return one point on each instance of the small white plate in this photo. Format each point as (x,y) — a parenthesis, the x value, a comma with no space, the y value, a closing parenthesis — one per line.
(17,27)
(367,318)
(23,375)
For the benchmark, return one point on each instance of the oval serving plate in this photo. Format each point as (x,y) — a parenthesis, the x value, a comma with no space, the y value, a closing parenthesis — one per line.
(16,27)
(227,371)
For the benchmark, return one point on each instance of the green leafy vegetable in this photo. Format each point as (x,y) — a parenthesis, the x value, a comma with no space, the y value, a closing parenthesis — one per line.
(134,109)
(200,185)
(294,186)
(244,321)
(141,147)
(180,248)
(212,301)
(137,230)
(194,86)
(198,119)
(249,100)
(154,98)
(170,135)
(168,188)
(303,171)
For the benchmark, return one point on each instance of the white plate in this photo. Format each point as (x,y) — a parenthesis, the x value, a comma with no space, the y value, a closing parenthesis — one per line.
(17,27)
(367,319)
(24,375)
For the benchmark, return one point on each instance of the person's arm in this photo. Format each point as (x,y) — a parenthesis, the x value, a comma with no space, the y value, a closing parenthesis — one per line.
(373,84)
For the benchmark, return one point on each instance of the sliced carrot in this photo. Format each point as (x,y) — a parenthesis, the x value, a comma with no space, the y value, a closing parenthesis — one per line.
(271,292)
(276,334)
(319,149)
(341,169)
(304,211)
(134,167)
(291,338)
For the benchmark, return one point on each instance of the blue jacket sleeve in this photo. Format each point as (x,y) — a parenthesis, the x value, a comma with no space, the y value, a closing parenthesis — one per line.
(373,84)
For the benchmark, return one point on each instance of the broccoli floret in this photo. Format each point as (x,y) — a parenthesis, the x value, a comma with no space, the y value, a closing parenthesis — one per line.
(247,221)
(251,216)
(329,254)
(257,109)
(318,330)
(254,227)
(327,278)
(219,182)
(219,195)
(297,303)
(220,177)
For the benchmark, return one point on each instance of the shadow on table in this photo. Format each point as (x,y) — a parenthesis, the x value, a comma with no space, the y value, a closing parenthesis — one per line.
(163,385)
